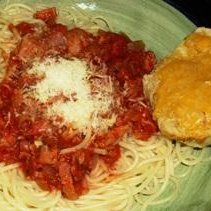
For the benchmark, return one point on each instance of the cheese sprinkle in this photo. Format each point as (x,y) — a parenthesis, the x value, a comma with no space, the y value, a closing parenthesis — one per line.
(67,83)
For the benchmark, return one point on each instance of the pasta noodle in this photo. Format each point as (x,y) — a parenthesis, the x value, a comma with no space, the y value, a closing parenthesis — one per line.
(145,171)
(144,174)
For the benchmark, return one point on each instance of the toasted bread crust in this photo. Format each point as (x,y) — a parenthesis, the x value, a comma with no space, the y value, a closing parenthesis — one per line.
(179,90)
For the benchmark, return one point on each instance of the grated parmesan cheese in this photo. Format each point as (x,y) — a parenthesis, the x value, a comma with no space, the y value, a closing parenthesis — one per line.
(70,79)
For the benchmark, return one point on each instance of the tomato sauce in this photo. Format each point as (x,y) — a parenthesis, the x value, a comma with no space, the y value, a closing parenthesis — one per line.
(34,141)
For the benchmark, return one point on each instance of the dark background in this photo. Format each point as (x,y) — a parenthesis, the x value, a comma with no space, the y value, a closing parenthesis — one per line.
(198,11)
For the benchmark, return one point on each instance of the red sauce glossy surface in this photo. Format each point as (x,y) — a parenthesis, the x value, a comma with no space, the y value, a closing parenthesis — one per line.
(23,122)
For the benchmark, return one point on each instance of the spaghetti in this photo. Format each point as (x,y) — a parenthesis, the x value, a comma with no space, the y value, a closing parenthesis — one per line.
(142,174)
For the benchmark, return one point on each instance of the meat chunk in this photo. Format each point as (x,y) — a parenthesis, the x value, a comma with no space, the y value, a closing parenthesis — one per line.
(180,90)
(56,43)
(77,41)
(30,48)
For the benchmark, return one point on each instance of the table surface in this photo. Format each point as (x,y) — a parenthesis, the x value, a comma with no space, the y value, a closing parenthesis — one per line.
(199,11)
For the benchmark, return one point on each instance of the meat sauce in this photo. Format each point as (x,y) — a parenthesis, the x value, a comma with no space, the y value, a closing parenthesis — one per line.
(29,138)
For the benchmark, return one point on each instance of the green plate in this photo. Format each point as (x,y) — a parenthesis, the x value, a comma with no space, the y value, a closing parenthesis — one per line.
(161,27)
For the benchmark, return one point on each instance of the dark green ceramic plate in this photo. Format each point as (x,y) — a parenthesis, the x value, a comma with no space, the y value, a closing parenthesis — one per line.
(161,27)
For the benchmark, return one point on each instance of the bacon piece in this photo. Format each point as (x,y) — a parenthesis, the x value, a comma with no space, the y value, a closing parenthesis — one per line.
(30,48)
(67,181)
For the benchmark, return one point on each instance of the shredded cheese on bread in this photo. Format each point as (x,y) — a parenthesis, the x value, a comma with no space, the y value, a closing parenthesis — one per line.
(180,90)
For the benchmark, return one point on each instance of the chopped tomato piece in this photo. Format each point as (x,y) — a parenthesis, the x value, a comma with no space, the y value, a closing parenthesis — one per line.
(23,28)
(148,128)
(114,153)
(47,15)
